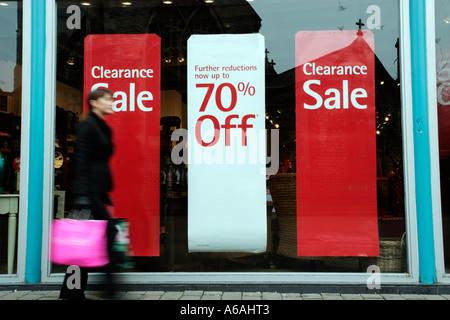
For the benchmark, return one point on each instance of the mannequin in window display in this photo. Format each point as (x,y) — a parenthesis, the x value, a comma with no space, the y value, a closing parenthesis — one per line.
(92,180)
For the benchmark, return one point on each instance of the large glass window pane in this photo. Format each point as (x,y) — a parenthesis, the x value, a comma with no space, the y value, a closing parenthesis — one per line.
(10,130)
(443,99)
(278,21)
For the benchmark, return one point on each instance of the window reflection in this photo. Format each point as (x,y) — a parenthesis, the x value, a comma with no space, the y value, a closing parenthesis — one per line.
(278,21)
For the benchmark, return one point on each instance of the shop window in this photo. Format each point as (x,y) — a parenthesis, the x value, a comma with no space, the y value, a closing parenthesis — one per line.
(174,22)
(443,101)
(10,130)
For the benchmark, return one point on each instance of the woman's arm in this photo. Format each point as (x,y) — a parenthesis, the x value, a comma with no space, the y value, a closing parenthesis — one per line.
(83,146)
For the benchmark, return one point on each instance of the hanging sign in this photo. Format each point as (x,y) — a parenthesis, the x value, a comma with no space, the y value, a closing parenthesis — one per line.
(336,144)
(226,123)
(134,78)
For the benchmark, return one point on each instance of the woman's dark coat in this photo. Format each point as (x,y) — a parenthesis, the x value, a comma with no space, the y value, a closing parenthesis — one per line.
(93,149)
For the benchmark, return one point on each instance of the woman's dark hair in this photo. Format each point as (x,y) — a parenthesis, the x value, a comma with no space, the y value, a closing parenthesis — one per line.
(97,94)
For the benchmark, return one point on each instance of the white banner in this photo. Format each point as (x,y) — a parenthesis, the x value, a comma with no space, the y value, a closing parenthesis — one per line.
(226,146)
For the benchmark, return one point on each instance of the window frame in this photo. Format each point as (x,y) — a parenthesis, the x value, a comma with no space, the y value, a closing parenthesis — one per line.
(19,276)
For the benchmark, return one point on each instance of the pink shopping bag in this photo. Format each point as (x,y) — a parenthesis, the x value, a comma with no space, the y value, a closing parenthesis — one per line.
(79,242)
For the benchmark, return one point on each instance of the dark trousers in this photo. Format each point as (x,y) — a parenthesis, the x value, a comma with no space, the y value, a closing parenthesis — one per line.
(99,212)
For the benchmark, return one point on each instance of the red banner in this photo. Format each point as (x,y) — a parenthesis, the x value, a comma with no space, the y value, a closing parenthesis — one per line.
(336,144)
(129,66)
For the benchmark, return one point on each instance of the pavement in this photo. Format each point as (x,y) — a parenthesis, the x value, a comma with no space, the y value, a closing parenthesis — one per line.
(192,295)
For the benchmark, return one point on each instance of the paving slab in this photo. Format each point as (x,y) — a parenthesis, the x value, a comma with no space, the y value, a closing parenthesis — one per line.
(413,297)
(271,296)
(151,296)
(191,297)
(193,293)
(232,296)
(348,296)
(433,297)
(311,296)
(14,295)
(95,296)
(172,295)
(251,295)
(393,297)
(331,296)
(50,293)
(371,296)
(130,296)
(154,293)
(291,296)
(211,297)
(31,296)
(4,293)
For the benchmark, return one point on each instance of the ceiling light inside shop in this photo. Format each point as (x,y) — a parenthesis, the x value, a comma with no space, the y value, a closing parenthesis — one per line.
(209,1)
(3,4)
(382,82)
(167,2)
(85,4)
(447,16)
(126,3)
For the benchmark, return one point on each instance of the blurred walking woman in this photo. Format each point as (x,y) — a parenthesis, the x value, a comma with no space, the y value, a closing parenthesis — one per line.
(92,180)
